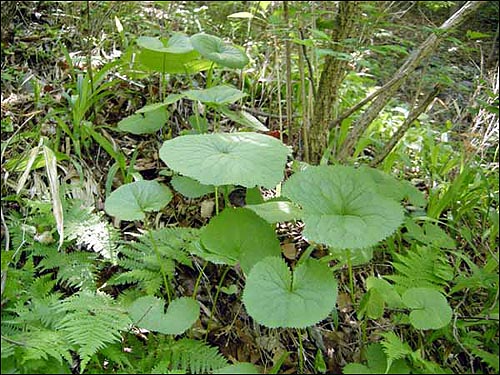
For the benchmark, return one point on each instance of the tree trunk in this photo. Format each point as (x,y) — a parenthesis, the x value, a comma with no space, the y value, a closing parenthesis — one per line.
(400,76)
(412,116)
(332,76)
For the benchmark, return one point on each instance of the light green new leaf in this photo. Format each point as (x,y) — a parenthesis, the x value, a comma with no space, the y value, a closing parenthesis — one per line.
(391,297)
(241,15)
(247,159)
(146,122)
(189,187)
(430,308)
(276,299)
(242,236)
(217,95)
(341,207)
(176,56)
(244,118)
(276,211)
(131,201)
(147,312)
(214,49)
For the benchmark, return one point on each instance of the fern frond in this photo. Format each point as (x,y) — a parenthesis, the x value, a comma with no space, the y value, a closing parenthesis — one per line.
(91,231)
(195,357)
(91,321)
(149,281)
(76,269)
(424,267)
(141,261)
(394,348)
(41,286)
(36,346)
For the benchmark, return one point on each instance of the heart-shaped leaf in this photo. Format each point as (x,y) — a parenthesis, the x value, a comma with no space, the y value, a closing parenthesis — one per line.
(131,201)
(241,236)
(190,188)
(275,298)
(247,159)
(430,308)
(276,211)
(170,99)
(148,313)
(341,207)
(214,49)
(176,56)
(216,95)
(144,123)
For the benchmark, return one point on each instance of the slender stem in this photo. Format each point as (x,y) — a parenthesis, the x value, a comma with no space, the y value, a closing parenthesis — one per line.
(351,280)
(215,300)
(198,279)
(217,200)
(301,351)
(160,263)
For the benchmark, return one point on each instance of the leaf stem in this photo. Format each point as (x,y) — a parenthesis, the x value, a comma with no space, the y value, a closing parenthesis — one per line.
(198,279)
(217,200)
(351,280)
(158,257)
(216,298)
(301,351)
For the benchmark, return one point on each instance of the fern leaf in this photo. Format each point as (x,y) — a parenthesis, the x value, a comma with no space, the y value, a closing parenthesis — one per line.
(195,357)
(90,231)
(394,348)
(91,321)
(75,269)
(149,281)
(424,267)
(141,261)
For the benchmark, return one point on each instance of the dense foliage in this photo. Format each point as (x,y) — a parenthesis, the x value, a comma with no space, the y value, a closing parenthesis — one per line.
(250,187)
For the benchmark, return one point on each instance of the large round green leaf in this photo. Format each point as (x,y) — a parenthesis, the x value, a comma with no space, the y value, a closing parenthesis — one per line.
(341,207)
(147,312)
(247,159)
(217,95)
(242,236)
(131,201)
(176,56)
(430,308)
(214,49)
(276,299)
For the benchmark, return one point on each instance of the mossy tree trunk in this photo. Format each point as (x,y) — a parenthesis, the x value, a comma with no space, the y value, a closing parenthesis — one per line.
(333,73)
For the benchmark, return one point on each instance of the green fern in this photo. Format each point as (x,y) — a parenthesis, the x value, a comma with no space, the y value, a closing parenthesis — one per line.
(394,348)
(424,267)
(195,357)
(141,262)
(90,231)
(35,349)
(91,321)
(76,269)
